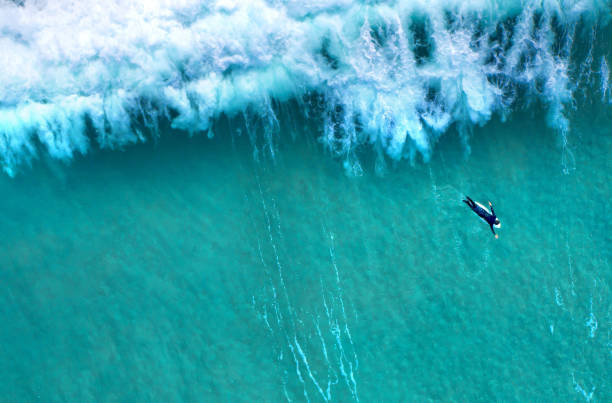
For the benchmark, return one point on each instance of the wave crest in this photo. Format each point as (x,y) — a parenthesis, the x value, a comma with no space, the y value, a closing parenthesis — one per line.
(395,74)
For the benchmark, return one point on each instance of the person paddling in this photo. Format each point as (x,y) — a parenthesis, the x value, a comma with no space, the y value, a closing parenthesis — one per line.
(482,212)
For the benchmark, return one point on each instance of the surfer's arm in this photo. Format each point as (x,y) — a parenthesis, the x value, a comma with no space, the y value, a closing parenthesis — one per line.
(492,212)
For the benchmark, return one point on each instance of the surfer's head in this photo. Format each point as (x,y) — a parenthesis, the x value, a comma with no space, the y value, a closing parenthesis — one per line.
(496,221)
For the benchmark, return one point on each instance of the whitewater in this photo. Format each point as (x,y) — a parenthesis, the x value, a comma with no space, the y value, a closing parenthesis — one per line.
(392,76)
(262,200)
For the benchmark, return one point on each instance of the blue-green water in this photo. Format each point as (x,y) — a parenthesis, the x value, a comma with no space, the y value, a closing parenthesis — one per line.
(185,270)
(261,200)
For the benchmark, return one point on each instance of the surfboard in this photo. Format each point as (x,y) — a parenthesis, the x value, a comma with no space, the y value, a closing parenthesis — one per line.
(488,211)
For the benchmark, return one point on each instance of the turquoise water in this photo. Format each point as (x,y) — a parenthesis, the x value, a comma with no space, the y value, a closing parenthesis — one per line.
(184,269)
(261,200)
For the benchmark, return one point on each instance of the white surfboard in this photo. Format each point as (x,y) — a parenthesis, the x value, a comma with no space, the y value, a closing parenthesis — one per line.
(489,211)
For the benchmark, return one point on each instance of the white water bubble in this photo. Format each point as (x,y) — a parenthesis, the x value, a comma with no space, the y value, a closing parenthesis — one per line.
(382,81)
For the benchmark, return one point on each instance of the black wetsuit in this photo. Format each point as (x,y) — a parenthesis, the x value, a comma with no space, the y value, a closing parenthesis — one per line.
(484,214)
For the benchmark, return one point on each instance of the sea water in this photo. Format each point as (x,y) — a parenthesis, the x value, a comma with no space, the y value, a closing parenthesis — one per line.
(289,225)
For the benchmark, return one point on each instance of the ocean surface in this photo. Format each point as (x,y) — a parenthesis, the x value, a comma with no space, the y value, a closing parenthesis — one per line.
(262,201)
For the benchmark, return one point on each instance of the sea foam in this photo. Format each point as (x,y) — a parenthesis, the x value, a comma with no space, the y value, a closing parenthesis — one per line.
(397,74)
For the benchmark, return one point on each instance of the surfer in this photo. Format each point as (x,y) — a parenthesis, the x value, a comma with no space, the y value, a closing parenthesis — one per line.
(489,217)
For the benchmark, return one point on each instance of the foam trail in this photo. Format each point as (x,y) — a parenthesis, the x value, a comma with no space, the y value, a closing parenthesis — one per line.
(336,330)
(579,389)
(558,297)
(77,75)
(305,361)
(329,365)
(571,267)
(584,76)
(288,323)
(298,372)
(285,388)
(591,322)
(604,71)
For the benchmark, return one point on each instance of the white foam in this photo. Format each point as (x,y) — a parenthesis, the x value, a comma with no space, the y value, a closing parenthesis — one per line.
(591,322)
(580,389)
(604,72)
(66,63)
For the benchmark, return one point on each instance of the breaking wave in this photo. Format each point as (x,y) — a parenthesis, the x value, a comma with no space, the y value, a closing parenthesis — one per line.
(395,75)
